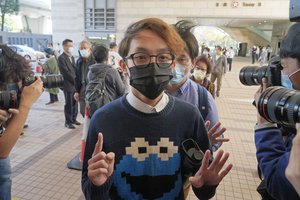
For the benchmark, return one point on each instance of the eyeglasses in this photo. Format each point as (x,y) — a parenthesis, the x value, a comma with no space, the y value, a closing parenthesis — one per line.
(163,60)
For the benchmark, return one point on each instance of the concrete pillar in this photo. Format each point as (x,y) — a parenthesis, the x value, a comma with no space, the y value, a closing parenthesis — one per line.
(67,22)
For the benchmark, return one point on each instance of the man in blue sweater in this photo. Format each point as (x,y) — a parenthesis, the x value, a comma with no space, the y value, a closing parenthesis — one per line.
(133,148)
(273,151)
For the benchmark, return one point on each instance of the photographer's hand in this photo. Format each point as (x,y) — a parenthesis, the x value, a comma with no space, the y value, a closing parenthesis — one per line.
(76,96)
(292,171)
(31,93)
(211,175)
(5,115)
(260,119)
(12,132)
(214,133)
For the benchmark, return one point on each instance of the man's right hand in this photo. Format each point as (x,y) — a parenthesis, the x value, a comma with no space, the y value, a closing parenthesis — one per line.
(101,165)
(76,96)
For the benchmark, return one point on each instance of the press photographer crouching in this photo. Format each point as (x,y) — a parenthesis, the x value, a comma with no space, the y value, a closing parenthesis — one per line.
(279,106)
(15,103)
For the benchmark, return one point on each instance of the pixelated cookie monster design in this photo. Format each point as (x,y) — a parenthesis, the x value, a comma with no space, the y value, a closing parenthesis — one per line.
(149,171)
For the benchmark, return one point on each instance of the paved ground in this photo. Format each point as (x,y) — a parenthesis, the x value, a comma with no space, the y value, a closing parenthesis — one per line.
(40,158)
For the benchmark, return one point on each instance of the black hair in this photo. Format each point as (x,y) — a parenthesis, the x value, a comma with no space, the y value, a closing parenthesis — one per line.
(218,47)
(65,42)
(100,53)
(112,45)
(13,67)
(183,28)
(289,46)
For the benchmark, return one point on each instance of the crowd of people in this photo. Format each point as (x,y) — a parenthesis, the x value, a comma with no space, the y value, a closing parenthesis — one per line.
(152,80)
(261,54)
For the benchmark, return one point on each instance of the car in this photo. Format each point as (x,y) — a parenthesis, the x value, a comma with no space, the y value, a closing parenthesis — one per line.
(27,52)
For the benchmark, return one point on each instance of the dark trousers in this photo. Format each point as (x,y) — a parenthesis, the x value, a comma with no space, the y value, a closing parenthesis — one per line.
(253,58)
(71,107)
(229,61)
(53,97)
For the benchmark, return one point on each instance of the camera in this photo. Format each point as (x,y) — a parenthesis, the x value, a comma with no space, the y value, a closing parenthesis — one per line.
(252,75)
(49,81)
(280,105)
(11,99)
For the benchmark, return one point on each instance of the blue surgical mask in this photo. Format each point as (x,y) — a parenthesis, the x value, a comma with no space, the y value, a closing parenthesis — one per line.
(285,81)
(178,74)
(85,53)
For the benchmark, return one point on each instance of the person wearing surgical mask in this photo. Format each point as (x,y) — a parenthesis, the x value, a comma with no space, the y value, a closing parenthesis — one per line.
(182,87)
(66,64)
(277,157)
(200,74)
(82,67)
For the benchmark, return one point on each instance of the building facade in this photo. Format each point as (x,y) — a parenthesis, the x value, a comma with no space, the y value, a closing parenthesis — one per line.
(108,19)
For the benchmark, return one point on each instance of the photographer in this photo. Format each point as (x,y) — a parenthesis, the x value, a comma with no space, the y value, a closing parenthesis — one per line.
(13,68)
(273,149)
(293,168)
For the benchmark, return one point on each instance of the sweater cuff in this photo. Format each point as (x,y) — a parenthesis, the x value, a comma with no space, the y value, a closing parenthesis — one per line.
(205,192)
(265,125)
(102,190)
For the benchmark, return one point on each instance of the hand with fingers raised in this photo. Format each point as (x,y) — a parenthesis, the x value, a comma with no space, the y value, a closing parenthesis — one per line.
(101,165)
(214,134)
(211,175)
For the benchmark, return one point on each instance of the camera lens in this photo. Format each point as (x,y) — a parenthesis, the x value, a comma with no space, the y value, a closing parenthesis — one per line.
(280,105)
(252,75)
(53,81)
(8,99)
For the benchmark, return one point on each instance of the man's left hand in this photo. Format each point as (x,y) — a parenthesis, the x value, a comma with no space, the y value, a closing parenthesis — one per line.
(211,175)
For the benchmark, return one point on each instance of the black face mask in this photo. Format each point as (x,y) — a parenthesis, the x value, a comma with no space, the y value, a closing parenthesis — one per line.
(150,79)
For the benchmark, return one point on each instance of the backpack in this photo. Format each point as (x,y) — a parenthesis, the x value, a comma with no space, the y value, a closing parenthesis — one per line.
(203,101)
(96,94)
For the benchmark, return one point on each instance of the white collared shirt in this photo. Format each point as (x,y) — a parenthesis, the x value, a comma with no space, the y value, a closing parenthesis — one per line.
(145,108)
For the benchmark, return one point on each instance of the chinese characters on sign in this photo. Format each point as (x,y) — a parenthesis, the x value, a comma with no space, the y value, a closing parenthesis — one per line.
(236,4)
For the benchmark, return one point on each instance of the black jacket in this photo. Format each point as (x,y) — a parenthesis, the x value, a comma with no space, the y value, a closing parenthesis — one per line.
(115,86)
(81,73)
(67,69)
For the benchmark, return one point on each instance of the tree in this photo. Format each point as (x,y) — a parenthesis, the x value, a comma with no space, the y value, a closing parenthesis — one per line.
(8,7)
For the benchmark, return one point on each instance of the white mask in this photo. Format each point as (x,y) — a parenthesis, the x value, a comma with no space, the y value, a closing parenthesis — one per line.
(70,50)
(199,74)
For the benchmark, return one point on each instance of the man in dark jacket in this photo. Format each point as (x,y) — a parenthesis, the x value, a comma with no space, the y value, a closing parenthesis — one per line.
(115,85)
(82,67)
(66,63)
(220,65)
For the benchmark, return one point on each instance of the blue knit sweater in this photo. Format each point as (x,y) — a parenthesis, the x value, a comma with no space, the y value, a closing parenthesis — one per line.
(147,150)
(273,155)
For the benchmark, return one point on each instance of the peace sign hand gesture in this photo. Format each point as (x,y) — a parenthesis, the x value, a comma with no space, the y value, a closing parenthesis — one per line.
(101,165)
